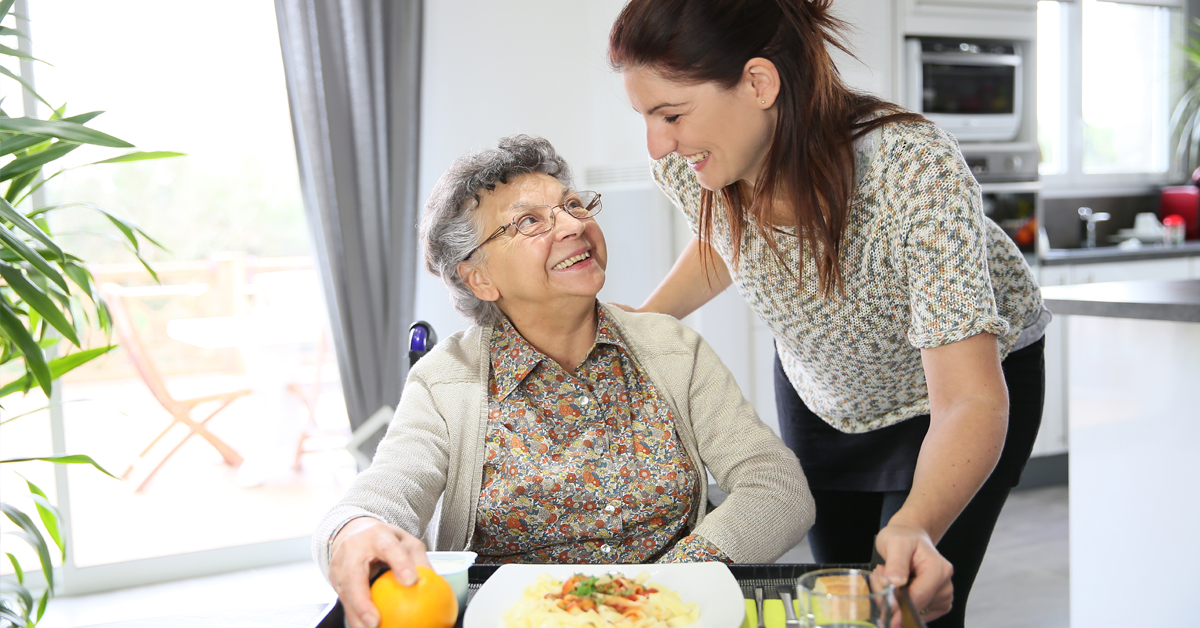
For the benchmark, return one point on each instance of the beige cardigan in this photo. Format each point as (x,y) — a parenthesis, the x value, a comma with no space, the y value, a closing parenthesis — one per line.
(434,447)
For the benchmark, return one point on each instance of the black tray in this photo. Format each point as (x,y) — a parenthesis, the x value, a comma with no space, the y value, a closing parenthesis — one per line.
(748,577)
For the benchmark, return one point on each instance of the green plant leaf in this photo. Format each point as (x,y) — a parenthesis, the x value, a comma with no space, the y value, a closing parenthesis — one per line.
(33,161)
(29,88)
(20,183)
(17,142)
(34,537)
(83,279)
(13,52)
(11,32)
(141,155)
(63,459)
(19,247)
(8,615)
(41,608)
(63,130)
(5,7)
(11,257)
(20,221)
(58,368)
(23,595)
(20,573)
(12,328)
(38,300)
(49,515)
(137,156)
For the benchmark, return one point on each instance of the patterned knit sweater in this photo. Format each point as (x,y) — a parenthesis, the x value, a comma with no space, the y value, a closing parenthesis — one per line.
(922,265)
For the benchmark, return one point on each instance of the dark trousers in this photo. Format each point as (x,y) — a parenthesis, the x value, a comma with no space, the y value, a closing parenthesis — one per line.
(848,519)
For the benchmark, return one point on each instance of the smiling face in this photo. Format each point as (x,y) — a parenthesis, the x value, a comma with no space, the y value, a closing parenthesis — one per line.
(541,274)
(723,134)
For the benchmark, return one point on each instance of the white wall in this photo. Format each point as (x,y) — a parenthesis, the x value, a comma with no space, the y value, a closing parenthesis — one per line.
(492,69)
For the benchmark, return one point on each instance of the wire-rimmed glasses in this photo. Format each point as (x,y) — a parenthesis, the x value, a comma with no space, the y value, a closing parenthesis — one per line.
(539,219)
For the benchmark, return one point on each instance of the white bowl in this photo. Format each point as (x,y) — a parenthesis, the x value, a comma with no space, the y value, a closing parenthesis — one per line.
(453,567)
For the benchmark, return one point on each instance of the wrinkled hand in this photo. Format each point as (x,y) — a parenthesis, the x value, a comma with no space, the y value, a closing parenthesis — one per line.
(911,558)
(362,546)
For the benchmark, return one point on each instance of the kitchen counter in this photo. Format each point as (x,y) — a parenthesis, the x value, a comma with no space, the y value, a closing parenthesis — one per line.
(1149,300)
(1055,257)
(1133,423)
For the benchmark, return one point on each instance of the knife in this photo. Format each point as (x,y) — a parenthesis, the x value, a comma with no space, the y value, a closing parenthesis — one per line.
(909,616)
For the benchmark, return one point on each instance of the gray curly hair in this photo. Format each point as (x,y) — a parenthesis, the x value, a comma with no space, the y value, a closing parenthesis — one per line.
(450,227)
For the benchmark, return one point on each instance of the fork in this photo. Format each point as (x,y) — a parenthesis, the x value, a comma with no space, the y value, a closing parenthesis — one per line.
(786,596)
(758,597)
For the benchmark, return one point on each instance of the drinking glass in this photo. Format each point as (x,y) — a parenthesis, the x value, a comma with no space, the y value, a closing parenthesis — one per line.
(840,598)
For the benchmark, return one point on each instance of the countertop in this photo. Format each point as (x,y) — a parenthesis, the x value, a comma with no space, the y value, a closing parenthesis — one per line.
(1055,257)
(1152,300)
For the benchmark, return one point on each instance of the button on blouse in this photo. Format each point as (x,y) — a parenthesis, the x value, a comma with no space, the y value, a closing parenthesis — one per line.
(583,466)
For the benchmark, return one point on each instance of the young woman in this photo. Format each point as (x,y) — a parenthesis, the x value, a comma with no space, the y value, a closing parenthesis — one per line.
(908,327)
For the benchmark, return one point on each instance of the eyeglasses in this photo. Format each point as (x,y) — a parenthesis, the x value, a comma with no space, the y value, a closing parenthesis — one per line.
(539,219)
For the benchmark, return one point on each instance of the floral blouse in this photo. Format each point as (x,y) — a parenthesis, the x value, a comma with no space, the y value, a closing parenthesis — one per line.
(582,467)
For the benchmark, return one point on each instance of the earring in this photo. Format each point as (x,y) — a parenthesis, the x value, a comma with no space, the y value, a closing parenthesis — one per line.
(763,102)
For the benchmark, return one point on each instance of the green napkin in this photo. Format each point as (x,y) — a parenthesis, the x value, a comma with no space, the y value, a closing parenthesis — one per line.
(773,613)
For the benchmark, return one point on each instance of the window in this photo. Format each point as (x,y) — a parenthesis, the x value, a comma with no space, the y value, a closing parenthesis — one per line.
(1104,92)
(226,323)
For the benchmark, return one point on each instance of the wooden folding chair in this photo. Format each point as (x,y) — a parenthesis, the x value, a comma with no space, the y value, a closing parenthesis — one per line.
(180,409)
(309,392)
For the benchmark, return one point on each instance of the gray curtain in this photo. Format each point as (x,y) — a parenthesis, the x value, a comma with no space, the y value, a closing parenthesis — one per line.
(353,78)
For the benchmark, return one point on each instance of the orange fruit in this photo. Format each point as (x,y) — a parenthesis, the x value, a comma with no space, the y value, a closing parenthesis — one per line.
(430,603)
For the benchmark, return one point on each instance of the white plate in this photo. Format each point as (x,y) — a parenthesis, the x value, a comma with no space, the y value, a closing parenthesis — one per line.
(710,585)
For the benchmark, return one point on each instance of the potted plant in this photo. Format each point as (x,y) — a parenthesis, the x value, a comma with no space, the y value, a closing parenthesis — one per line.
(47,295)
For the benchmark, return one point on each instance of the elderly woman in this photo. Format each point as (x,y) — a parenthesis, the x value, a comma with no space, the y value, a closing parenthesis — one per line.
(556,429)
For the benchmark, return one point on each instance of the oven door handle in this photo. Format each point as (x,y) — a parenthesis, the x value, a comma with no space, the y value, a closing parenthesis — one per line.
(971,58)
(1010,187)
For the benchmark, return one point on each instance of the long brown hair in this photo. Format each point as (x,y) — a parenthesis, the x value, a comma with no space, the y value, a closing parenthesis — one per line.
(810,163)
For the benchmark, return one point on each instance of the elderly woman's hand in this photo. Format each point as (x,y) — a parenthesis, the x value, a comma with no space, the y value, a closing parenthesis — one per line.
(359,548)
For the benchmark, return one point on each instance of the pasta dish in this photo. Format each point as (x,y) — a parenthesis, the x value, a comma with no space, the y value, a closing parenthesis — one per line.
(607,601)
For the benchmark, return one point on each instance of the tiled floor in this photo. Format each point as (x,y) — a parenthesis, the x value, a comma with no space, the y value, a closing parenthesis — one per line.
(1023,582)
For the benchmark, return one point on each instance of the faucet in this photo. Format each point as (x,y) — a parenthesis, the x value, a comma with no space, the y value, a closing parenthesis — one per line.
(1086,214)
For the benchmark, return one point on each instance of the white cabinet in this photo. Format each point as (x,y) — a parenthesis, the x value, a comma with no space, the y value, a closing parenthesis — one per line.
(1052,439)
(1000,19)
(1003,5)
(1161,269)
(873,38)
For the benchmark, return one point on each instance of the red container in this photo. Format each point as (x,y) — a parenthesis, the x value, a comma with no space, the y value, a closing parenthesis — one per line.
(1182,201)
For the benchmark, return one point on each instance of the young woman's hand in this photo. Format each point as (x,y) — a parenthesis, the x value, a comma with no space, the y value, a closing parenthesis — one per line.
(359,549)
(911,558)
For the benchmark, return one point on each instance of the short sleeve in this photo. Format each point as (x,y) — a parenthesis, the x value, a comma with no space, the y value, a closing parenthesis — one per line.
(676,180)
(944,243)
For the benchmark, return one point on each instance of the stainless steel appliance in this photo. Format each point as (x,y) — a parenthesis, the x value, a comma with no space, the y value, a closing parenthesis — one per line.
(970,87)
(1008,178)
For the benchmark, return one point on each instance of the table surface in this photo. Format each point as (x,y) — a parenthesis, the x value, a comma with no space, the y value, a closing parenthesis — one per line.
(286,617)
(1153,300)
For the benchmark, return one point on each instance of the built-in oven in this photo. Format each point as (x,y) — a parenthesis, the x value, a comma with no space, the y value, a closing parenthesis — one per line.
(1008,180)
(969,87)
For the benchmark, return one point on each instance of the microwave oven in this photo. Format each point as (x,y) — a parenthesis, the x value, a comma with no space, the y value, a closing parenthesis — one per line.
(969,87)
